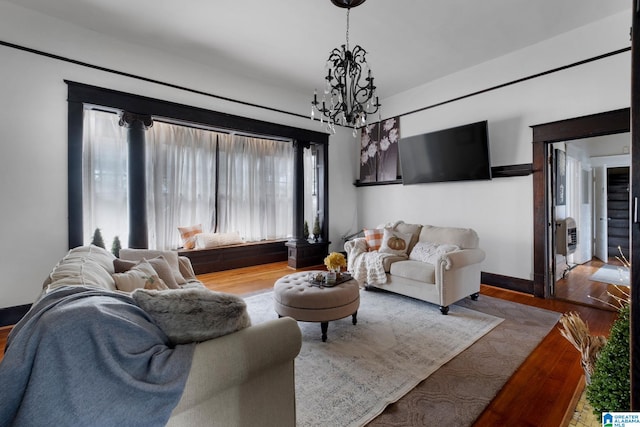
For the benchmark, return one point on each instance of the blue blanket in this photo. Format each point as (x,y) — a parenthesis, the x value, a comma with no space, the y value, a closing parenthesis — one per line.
(88,357)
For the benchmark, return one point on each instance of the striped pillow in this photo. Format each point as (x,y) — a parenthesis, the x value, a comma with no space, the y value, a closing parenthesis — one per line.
(188,235)
(374,238)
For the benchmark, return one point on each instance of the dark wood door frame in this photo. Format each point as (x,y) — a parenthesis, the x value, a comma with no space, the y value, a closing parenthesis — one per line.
(608,123)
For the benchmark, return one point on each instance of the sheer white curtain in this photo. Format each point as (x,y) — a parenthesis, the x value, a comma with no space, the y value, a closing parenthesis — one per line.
(181,181)
(251,193)
(104,171)
(256,188)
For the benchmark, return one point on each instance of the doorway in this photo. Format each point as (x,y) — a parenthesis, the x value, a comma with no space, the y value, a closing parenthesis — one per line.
(589,195)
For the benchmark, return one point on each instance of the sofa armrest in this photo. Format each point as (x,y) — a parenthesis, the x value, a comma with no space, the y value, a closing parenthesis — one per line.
(465,257)
(353,248)
(222,363)
(359,244)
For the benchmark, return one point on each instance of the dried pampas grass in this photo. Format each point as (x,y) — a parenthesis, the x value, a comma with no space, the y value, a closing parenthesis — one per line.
(576,331)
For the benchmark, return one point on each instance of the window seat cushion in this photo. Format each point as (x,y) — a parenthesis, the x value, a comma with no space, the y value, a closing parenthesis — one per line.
(213,240)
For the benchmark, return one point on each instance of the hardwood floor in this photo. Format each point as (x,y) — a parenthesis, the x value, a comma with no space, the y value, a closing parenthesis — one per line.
(542,392)
(577,287)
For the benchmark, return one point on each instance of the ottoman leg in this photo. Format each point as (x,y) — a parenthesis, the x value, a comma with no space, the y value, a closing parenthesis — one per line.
(354,317)
(323,327)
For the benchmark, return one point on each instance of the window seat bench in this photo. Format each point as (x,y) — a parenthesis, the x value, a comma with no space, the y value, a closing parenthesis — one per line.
(235,256)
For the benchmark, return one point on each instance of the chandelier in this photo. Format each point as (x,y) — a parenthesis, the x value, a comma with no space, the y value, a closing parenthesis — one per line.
(349,92)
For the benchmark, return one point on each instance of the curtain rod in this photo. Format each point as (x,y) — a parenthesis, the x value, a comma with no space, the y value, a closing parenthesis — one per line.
(193,125)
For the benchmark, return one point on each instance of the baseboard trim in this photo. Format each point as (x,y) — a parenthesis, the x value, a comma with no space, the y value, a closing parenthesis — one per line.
(507,282)
(11,315)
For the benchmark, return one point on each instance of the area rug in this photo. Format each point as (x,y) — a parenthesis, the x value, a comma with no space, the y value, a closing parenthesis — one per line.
(611,274)
(397,343)
(457,393)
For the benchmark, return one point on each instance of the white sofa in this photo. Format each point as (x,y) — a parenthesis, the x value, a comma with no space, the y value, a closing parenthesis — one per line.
(245,378)
(445,278)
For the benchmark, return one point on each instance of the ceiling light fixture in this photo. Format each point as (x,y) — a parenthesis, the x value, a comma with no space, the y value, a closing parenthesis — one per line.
(349,93)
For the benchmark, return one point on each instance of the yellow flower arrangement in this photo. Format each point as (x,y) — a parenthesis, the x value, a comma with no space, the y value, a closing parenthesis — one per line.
(334,261)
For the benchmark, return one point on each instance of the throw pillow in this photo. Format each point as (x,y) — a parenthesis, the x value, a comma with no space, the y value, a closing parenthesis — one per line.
(123,265)
(155,283)
(162,267)
(170,256)
(188,234)
(194,314)
(159,264)
(431,252)
(394,242)
(135,278)
(413,229)
(374,238)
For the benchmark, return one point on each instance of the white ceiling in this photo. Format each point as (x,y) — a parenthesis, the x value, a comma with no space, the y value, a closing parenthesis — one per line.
(286,42)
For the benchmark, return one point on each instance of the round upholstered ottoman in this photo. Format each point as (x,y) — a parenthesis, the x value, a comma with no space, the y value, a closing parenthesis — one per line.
(294,296)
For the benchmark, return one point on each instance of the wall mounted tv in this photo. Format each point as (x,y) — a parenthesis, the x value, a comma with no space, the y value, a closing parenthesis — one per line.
(455,154)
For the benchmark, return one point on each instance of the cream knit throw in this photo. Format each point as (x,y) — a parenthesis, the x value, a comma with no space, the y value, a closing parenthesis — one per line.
(366,267)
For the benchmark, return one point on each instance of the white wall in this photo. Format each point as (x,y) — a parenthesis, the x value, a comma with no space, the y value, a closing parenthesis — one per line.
(33,132)
(501,210)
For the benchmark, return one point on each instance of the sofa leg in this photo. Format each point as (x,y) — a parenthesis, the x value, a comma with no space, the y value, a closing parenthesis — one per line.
(475,296)
(444,310)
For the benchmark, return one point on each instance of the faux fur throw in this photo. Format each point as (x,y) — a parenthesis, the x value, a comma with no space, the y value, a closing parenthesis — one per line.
(194,314)
(366,267)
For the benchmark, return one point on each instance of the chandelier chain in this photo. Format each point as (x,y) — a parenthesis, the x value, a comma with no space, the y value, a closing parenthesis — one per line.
(348,10)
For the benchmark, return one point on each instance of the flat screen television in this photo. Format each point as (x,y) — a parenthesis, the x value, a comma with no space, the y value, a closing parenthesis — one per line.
(456,154)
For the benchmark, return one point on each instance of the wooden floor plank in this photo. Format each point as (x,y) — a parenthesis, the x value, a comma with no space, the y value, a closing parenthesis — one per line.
(577,286)
(540,392)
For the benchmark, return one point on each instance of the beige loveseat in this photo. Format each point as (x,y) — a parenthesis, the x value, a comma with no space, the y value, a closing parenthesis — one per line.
(245,378)
(440,265)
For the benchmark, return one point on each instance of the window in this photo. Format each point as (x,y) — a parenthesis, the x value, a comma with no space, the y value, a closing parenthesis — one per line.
(104,177)
(226,182)
(281,188)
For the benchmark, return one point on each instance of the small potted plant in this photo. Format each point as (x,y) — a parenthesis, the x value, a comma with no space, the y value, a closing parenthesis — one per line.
(316,228)
(305,231)
(97,239)
(116,246)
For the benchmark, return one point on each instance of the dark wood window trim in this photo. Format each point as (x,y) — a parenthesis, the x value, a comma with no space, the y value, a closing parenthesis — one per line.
(80,94)
(608,123)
